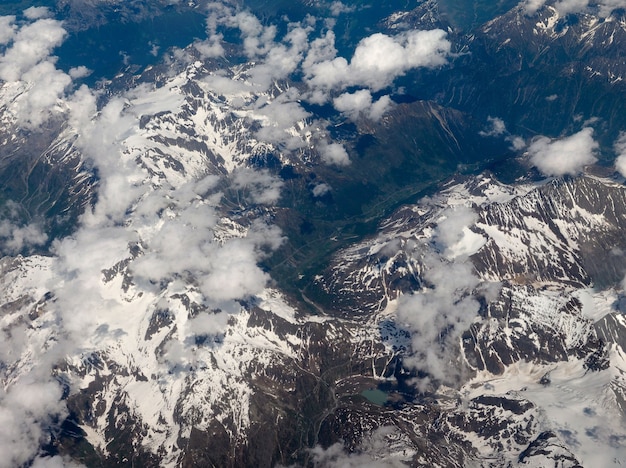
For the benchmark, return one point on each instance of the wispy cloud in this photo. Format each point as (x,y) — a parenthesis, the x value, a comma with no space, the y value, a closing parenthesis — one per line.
(373,452)
(439,313)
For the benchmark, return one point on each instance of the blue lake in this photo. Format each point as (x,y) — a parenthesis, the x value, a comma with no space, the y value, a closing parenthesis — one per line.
(376,396)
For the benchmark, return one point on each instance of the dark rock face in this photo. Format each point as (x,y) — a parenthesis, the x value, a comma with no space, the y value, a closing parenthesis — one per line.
(546,67)
(54,185)
(289,375)
(548,449)
(541,246)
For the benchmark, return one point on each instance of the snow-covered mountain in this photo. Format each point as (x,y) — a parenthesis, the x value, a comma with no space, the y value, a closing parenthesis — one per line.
(545,320)
(152,227)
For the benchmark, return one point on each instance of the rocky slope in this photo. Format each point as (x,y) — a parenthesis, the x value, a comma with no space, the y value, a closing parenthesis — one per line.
(146,317)
(544,306)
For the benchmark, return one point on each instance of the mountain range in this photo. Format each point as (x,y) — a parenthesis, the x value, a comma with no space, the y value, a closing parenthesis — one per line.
(321,234)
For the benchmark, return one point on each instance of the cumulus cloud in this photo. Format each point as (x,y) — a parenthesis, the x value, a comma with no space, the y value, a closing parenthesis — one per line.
(233,268)
(359,103)
(517,142)
(79,72)
(281,120)
(55,462)
(27,61)
(606,7)
(453,235)
(334,154)
(320,190)
(32,44)
(225,270)
(35,13)
(531,6)
(564,156)
(379,59)
(27,408)
(495,127)
(166,234)
(280,59)
(321,49)
(337,8)
(7,29)
(210,48)
(221,261)
(620,150)
(257,39)
(47,85)
(277,56)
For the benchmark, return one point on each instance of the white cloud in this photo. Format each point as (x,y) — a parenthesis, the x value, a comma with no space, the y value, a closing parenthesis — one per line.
(453,235)
(15,235)
(258,186)
(606,7)
(224,271)
(15,238)
(437,317)
(177,228)
(531,6)
(353,105)
(374,452)
(321,49)
(257,39)
(517,142)
(233,272)
(567,155)
(565,7)
(334,154)
(207,323)
(27,62)
(55,462)
(620,150)
(280,59)
(27,409)
(445,307)
(329,74)
(495,127)
(281,119)
(32,44)
(320,190)
(35,13)
(376,62)
(47,87)
(79,72)
(379,59)
(221,261)
(337,8)
(211,47)
(7,29)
